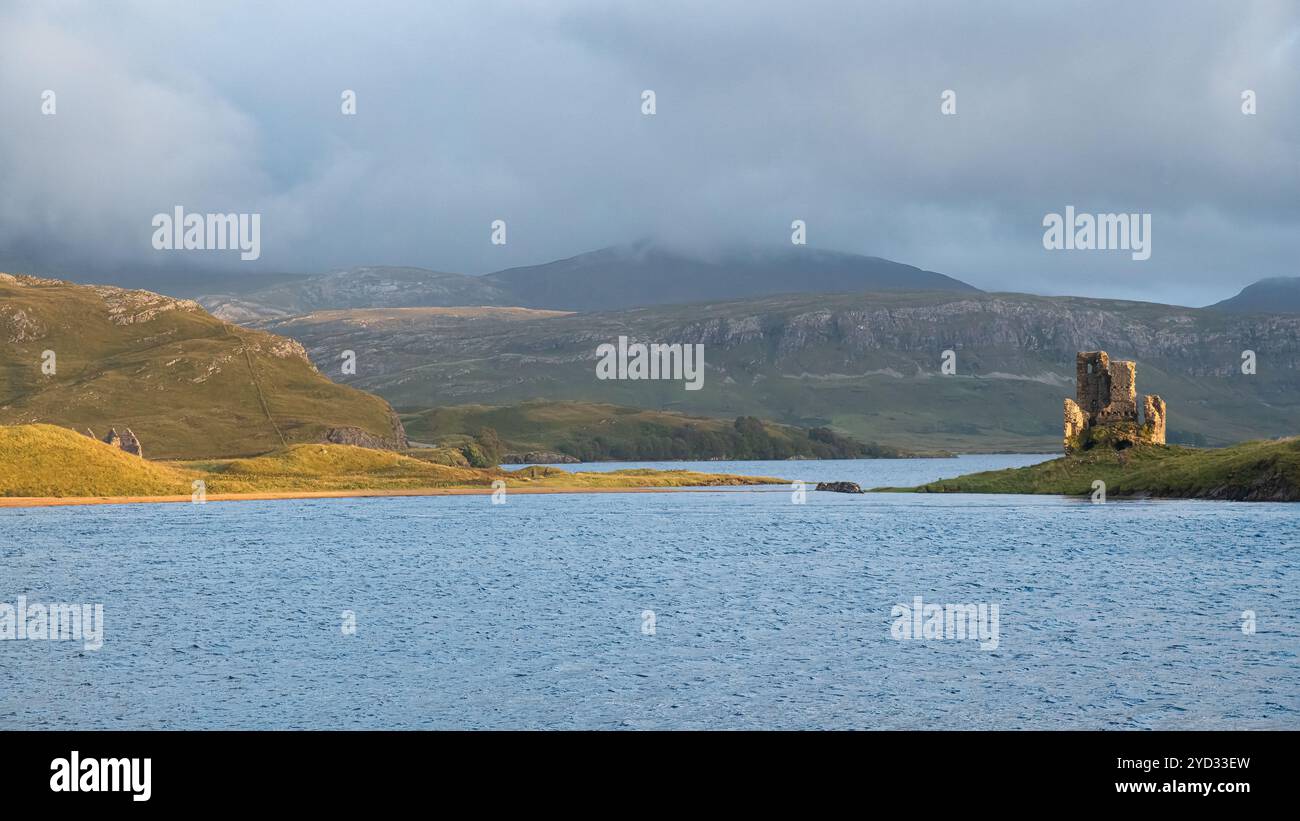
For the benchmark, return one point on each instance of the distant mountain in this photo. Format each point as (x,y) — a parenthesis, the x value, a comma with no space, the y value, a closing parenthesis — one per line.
(866,364)
(626,276)
(1280,295)
(187,384)
(368,287)
(647,273)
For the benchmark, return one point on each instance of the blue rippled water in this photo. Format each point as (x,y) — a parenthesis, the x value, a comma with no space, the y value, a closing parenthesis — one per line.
(766,613)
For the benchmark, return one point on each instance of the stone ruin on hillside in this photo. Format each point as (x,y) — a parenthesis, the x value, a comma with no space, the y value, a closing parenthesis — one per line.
(1105,408)
(127,442)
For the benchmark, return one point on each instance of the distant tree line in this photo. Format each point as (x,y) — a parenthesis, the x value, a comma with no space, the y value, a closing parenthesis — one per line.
(485,450)
(748,438)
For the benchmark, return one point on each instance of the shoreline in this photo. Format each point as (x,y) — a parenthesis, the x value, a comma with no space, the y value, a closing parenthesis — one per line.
(61,501)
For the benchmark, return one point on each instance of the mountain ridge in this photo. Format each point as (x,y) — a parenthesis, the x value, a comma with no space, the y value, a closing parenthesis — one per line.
(639,274)
(645,274)
(1272,295)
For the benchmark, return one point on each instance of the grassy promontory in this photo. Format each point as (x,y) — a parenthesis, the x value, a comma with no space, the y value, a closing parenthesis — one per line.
(47,461)
(1260,471)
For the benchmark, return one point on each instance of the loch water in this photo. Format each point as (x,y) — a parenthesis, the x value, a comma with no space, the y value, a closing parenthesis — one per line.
(725,608)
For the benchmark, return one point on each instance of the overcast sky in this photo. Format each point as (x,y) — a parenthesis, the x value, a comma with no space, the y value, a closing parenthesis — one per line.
(767,112)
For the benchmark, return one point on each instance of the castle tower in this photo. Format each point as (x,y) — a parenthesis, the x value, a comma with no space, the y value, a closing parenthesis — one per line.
(1106,398)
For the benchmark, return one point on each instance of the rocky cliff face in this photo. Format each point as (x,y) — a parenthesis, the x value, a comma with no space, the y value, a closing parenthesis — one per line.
(350,435)
(1016,327)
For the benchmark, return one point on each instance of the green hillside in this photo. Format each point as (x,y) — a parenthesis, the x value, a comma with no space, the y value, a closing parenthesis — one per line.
(187,384)
(868,365)
(591,431)
(1251,471)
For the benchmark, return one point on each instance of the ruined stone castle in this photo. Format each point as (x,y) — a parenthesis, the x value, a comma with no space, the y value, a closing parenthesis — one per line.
(1105,408)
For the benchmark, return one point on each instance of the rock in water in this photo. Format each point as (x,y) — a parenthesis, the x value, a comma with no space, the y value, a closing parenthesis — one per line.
(840,487)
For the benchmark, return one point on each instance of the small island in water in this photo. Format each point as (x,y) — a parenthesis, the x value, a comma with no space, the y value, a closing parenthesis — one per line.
(1107,439)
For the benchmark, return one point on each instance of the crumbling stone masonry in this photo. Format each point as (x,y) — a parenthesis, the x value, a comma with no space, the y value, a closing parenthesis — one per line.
(1153,416)
(1105,407)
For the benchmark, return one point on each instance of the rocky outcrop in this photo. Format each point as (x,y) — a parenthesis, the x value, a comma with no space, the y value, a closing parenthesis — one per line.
(840,487)
(1105,407)
(131,444)
(349,435)
(128,307)
(128,441)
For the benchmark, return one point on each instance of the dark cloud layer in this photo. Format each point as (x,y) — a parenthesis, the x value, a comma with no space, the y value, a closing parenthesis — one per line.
(767,112)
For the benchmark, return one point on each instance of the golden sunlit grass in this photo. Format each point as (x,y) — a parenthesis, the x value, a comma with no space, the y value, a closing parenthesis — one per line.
(50,461)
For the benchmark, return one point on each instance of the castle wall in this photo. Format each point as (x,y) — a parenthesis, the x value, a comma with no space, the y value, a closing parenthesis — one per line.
(1121,405)
(1075,423)
(1154,419)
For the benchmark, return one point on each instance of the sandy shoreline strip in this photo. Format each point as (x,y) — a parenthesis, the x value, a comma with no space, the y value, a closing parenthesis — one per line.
(57,501)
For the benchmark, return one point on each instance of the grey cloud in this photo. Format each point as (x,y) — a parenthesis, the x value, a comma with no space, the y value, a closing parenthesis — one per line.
(529,112)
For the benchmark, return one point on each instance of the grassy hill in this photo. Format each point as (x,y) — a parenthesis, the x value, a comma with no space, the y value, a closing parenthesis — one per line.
(1251,471)
(50,461)
(591,431)
(46,460)
(188,384)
